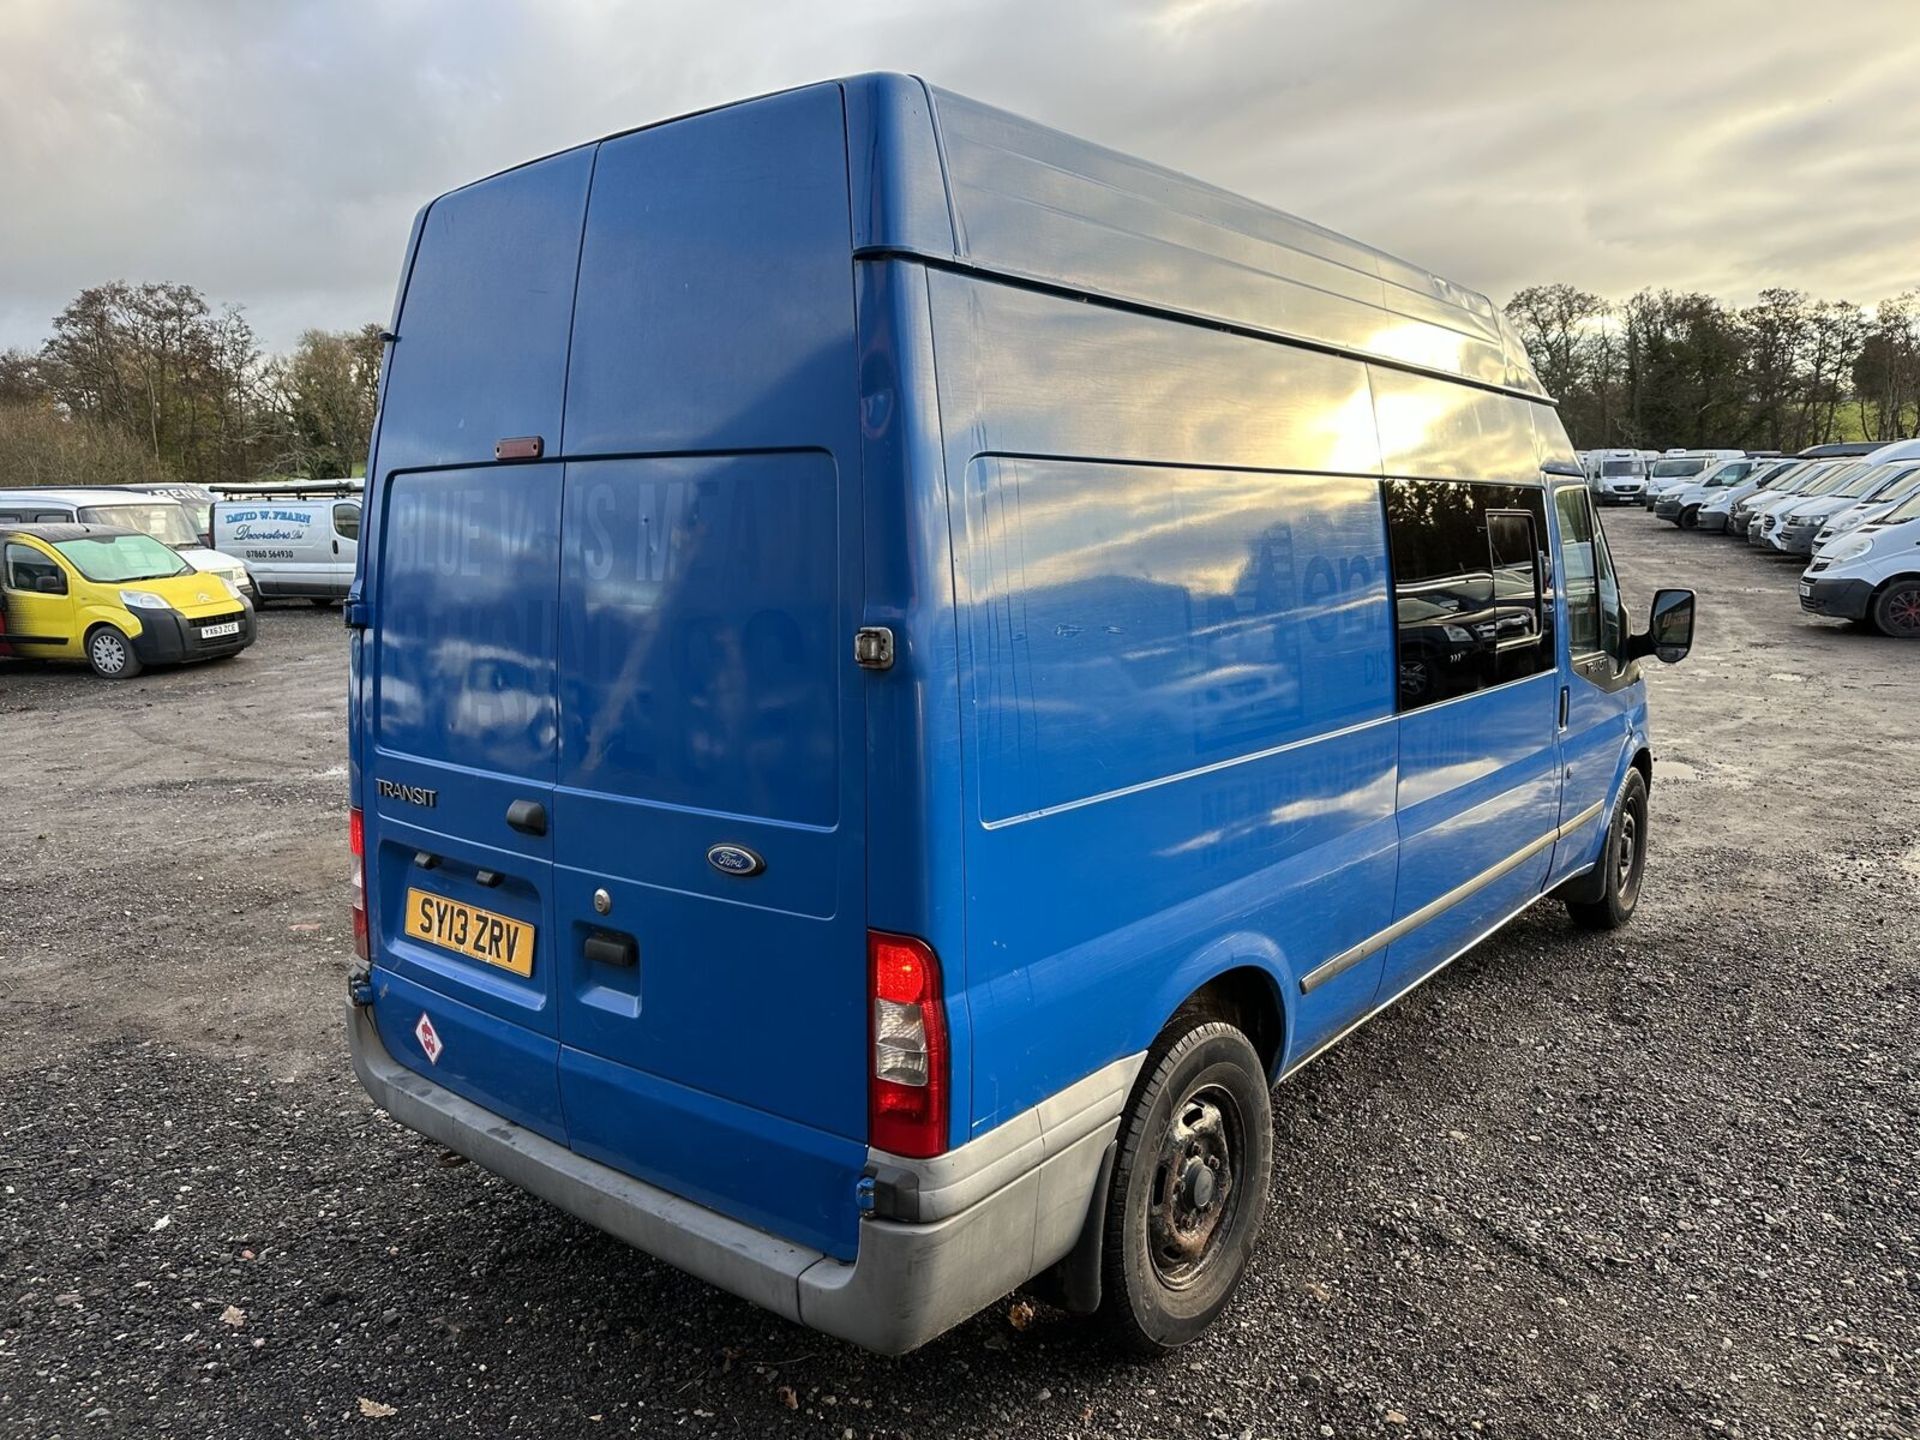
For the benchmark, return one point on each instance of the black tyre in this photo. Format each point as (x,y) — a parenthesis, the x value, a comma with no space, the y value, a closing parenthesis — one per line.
(1189,1186)
(1622,863)
(1690,517)
(110,653)
(1896,610)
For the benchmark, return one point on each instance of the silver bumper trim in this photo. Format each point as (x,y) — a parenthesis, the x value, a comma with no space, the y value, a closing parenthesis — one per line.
(1000,1209)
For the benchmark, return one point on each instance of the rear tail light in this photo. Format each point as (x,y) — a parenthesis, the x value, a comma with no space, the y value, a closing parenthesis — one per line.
(357,846)
(907,1090)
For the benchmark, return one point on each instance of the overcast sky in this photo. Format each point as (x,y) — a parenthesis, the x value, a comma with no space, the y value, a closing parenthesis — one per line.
(272,152)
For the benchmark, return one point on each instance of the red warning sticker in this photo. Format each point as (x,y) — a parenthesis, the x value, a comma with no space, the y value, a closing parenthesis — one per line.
(429,1039)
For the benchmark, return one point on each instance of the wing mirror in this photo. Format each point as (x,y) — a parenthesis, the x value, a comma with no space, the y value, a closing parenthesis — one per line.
(1669,633)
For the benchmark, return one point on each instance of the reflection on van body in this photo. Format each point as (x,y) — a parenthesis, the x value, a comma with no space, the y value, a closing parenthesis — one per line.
(952,742)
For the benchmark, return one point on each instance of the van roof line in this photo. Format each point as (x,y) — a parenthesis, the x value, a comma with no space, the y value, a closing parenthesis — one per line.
(1019,200)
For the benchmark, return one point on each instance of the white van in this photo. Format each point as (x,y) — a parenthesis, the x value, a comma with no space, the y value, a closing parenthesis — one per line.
(157,514)
(298,542)
(1678,469)
(1615,476)
(1871,575)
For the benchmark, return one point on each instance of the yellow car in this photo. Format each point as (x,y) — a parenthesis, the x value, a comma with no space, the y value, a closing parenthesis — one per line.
(115,598)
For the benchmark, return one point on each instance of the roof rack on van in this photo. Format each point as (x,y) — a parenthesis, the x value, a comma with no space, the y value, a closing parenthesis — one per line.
(293,489)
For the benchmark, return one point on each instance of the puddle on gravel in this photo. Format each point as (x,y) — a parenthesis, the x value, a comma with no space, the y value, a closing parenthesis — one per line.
(1788,678)
(1911,860)
(1678,770)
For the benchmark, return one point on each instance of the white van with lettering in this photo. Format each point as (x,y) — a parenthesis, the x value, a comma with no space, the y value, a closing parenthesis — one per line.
(298,542)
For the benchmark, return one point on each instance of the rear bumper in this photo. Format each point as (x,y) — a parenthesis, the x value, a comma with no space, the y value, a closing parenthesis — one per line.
(1840,599)
(976,1223)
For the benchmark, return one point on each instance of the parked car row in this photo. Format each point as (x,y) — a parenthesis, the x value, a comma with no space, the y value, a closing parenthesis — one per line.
(1854,515)
(123,577)
(1630,477)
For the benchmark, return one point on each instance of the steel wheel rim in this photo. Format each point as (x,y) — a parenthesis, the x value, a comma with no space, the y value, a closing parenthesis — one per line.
(109,654)
(1627,861)
(1194,1193)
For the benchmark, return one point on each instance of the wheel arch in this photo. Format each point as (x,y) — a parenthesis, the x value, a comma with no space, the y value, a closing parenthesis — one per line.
(1246,993)
(1873,600)
(1643,762)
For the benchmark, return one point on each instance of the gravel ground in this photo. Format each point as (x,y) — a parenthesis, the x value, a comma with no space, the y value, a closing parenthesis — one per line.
(1660,1183)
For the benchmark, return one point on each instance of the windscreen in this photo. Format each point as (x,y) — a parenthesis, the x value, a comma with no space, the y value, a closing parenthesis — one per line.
(1623,467)
(164,520)
(1907,509)
(1830,484)
(1865,482)
(116,559)
(1678,469)
(1906,482)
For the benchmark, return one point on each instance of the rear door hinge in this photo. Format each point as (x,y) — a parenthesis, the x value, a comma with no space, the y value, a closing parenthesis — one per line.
(873,647)
(354,613)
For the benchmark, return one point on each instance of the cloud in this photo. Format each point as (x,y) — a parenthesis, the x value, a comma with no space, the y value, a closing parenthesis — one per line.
(272,152)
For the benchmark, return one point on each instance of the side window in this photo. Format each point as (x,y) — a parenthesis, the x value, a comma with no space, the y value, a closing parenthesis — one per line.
(1470,581)
(346,520)
(1595,623)
(29,570)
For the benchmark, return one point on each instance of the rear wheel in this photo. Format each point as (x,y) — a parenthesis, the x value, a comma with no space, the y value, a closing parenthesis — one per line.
(1896,610)
(1189,1186)
(1622,863)
(110,653)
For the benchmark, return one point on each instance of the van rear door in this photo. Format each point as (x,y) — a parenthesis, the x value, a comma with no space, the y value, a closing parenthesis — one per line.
(709,861)
(461,581)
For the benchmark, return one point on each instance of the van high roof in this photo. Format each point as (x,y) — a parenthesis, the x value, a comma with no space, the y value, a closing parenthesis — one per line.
(950,180)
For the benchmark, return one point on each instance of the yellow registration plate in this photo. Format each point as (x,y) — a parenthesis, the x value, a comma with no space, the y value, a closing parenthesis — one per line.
(468,930)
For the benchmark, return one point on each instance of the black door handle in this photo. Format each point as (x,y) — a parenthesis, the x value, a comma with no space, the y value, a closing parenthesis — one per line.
(609,947)
(529,817)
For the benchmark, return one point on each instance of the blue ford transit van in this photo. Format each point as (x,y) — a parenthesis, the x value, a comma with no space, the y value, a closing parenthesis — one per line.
(907,668)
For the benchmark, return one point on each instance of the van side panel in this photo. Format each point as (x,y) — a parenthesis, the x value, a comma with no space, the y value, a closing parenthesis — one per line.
(1032,202)
(1178,701)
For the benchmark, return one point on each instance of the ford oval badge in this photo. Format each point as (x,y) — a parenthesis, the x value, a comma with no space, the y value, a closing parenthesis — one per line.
(735,860)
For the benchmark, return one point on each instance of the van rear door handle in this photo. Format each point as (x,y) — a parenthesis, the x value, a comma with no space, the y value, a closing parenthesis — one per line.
(1566,699)
(610,947)
(529,817)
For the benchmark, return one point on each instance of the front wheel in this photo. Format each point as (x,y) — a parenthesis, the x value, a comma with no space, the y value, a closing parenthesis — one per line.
(1622,862)
(1690,518)
(1189,1186)
(110,653)
(1896,610)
